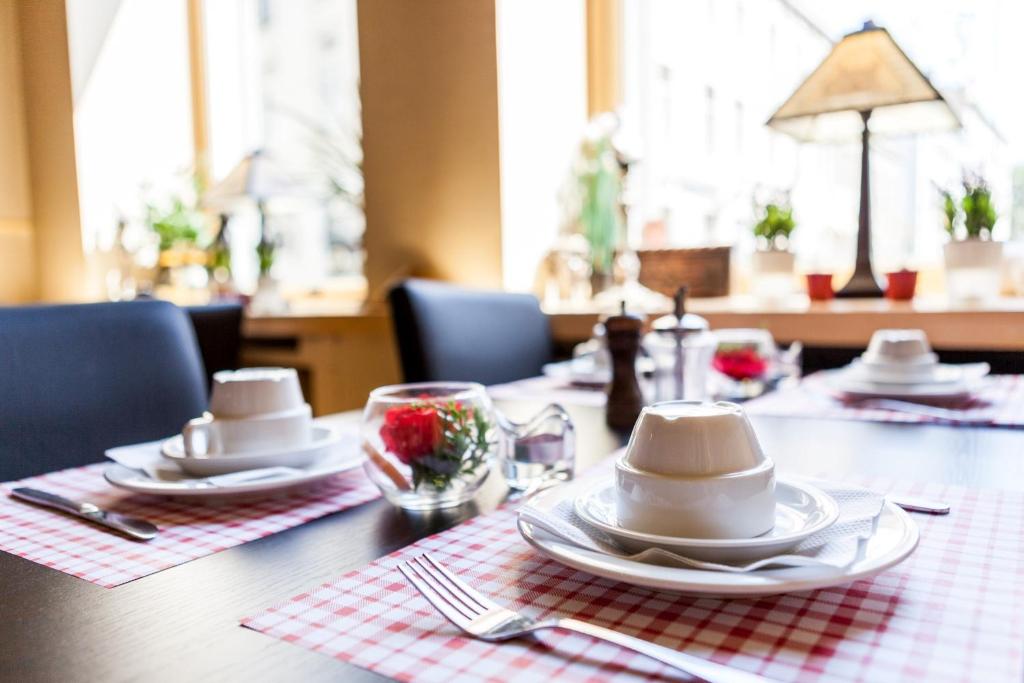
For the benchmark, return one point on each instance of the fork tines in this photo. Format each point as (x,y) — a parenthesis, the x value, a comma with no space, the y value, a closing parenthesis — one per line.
(445,591)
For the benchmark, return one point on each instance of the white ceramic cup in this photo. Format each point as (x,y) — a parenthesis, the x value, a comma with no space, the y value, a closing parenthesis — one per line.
(251,410)
(695,470)
(255,391)
(212,436)
(899,356)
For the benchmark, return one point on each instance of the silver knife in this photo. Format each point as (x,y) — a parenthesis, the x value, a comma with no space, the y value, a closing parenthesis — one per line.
(132,527)
(914,504)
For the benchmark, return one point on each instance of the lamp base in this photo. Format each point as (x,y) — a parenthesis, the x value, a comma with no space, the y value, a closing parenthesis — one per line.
(862,284)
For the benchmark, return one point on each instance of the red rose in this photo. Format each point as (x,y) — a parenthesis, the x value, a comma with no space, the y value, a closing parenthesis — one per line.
(411,432)
(740,363)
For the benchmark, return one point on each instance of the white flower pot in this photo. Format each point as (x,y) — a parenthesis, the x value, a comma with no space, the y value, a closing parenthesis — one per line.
(773,273)
(973,269)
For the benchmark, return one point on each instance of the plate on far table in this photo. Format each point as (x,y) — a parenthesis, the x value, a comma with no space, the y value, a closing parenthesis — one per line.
(895,538)
(850,383)
(801,510)
(940,373)
(584,372)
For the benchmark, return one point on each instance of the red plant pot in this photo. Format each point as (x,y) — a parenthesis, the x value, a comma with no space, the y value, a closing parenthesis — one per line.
(819,286)
(902,284)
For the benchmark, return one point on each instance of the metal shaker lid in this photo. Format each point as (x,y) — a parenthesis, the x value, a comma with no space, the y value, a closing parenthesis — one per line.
(680,322)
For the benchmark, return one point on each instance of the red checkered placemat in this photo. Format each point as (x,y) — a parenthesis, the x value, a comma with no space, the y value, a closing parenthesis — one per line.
(954,611)
(998,403)
(188,530)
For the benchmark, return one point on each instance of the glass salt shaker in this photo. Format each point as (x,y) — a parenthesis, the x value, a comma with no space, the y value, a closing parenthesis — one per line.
(541,449)
(682,349)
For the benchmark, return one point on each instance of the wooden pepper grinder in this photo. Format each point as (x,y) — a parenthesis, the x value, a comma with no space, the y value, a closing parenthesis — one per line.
(625,400)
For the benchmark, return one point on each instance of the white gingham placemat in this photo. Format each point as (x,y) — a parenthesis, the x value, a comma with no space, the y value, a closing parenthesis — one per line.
(998,403)
(188,530)
(954,611)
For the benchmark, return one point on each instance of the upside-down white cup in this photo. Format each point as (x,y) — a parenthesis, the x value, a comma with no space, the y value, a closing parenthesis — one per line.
(253,409)
(695,470)
(255,391)
(899,356)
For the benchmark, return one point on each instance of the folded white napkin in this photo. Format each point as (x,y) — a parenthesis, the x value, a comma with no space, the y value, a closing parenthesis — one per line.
(837,546)
(148,458)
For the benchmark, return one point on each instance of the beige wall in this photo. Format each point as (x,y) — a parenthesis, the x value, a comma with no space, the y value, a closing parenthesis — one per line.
(430,140)
(604,55)
(17,267)
(46,88)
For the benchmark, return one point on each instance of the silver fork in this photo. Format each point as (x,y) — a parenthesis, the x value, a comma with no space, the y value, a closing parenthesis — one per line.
(482,618)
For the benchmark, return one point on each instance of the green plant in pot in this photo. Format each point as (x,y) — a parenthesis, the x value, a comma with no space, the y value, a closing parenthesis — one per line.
(973,258)
(598,179)
(775,227)
(180,228)
(773,262)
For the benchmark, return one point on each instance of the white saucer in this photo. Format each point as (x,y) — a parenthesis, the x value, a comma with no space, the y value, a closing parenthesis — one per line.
(800,511)
(323,439)
(165,481)
(581,372)
(848,381)
(895,538)
(938,373)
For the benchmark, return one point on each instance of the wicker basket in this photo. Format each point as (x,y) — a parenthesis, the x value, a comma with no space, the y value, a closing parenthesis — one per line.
(704,270)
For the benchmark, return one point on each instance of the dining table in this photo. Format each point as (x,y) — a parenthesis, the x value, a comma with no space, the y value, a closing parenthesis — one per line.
(183,623)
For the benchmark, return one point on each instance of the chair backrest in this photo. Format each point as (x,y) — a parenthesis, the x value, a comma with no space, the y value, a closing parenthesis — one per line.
(446,332)
(78,379)
(219,333)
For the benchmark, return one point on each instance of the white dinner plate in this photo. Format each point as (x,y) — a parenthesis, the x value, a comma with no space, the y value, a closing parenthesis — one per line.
(895,538)
(846,381)
(940,373)
(583,371)
(800,511)
(322,442)
(169,482)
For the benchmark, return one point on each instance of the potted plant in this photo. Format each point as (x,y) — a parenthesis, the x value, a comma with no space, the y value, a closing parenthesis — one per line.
(179,227)
(972,257)
(598,174)
(773,261)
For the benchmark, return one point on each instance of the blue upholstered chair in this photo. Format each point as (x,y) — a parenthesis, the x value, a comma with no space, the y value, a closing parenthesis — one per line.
(78,379)
(219,334)
(446,332)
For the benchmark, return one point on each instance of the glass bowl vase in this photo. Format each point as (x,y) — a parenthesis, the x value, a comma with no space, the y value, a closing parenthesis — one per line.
(429,445)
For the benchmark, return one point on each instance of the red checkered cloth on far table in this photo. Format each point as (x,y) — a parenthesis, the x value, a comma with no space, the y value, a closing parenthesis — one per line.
(998,403)
(954,611)
(187,530)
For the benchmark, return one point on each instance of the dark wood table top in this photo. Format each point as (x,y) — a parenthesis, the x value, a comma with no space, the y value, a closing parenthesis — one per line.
(182,623)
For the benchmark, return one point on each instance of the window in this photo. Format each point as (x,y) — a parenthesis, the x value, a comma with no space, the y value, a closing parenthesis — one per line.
(132,115)
(283,78)
(279,76)
(703,168)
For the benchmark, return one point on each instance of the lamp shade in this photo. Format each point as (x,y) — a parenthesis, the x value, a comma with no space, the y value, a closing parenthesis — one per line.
(253,179)
(866,71)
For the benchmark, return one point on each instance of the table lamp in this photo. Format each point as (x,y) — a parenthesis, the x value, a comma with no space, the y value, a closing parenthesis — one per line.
(254,179)
(865,77)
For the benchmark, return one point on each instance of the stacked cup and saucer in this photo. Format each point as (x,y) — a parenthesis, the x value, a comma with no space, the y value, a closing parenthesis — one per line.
(900,365)
(257,436)
(693,505)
